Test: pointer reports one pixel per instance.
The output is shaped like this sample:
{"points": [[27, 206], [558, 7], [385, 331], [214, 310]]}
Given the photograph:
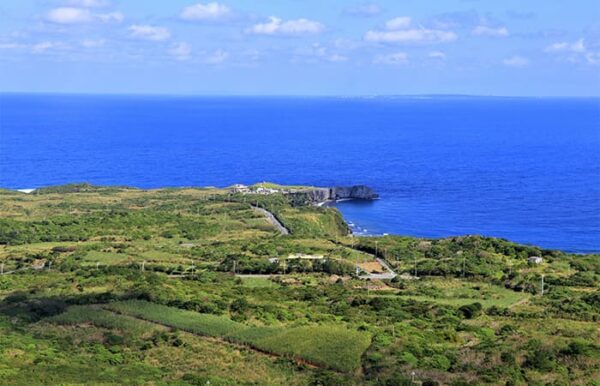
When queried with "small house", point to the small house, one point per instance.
{"points": [[239, 188], [535, 259]]}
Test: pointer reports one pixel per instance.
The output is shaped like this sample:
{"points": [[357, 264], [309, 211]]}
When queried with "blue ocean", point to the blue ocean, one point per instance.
{"points": [[523, 169]]}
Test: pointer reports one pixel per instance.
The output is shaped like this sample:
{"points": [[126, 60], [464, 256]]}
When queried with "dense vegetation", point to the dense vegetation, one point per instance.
{"points": [[120, 285]]}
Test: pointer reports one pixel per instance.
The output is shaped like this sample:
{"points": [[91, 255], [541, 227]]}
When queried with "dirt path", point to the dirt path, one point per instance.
{"points": [[520, 302]]}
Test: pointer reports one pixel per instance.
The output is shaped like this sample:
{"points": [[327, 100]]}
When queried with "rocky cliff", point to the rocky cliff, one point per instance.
{"points": [[361, 192], [318, 195]]}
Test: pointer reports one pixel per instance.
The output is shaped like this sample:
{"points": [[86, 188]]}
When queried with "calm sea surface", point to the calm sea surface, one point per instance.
{"points": [[523, 169]]}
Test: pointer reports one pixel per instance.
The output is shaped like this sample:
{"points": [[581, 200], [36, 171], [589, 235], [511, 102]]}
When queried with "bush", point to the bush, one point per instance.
{"points": [[470, 311], [409, 358], [439, 361], [508, 358], [541, 358]]}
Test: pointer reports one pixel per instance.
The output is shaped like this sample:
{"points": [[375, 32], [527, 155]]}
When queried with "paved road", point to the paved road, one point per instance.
{"points": [[260, 275], [279, 226], [389, 275]]}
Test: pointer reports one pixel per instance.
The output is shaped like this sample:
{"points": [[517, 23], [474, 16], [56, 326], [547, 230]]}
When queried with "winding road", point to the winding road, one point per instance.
{"points": [[390, 274], [273, 220]]}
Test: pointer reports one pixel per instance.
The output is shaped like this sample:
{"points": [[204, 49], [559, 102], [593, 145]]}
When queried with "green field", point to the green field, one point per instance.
{"points": [[76, 315], [332, 346], [112, 285]]}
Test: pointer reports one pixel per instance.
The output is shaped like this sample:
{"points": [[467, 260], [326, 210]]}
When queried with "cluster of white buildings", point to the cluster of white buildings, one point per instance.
{"points": [[244, 189], [296, 256]]}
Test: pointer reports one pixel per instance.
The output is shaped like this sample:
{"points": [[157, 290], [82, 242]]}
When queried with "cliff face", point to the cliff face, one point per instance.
{"points": [[361, 192], [317, 195]]}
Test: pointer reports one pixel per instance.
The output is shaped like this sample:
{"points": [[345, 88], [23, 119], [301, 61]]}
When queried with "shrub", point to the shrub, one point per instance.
{"points": [[470, 311], [409, 358], [508, 358], [541, 358], [439, 361]]}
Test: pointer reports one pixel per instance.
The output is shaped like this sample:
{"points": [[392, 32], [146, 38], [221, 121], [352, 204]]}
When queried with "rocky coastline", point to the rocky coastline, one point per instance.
{"points": [[320, 196]]}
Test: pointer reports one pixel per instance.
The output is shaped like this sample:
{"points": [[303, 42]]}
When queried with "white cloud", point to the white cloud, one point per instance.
{"points": [[111, 16], [217, 57], [149, 32], [593, 57], [10, 45], [277, 26], [89, 3], [397, 23], [393, 59], [70, 15], [337, 58], [483, 30], [576, 51], [437, 55], [90, 43], [205, 12], [317, 52], [400, 30], [366, 10], [42, 47], [516, 61], [181, 51], [577, 47], [421, 35]]}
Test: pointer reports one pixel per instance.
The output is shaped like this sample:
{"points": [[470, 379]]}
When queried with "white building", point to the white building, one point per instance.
{"points": [[239, 188], [535, 260]]}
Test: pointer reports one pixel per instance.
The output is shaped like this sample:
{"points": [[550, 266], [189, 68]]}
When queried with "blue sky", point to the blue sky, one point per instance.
{"points": [[301, 47]]}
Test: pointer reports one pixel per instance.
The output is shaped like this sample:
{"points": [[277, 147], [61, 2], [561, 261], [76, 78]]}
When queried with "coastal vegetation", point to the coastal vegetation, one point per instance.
{"points": [[194, 285]]}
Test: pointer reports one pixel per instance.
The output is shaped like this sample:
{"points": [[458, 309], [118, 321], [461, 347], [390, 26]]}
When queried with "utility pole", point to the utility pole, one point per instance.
{"points": [[97, 264], [143, 268], [234, 266], [542, 285], [416, 275]]}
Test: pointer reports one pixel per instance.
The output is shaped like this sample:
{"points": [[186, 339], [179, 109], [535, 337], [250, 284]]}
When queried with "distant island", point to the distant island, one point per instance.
{"points": [[259, 284]]}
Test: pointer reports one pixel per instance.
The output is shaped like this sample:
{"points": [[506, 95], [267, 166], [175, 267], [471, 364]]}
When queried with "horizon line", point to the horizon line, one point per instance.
{"points": [[349, 96]]}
